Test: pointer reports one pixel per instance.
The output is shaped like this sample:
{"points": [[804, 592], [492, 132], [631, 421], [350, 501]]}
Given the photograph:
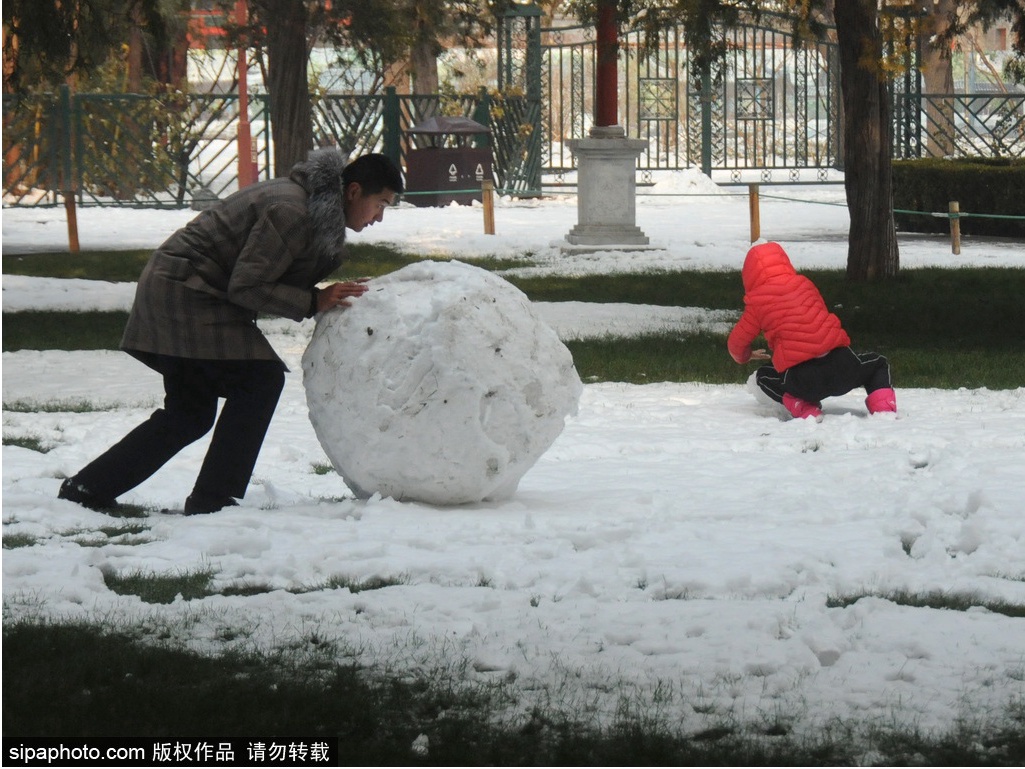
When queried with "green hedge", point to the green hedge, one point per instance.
{"points": [[985, 188]]}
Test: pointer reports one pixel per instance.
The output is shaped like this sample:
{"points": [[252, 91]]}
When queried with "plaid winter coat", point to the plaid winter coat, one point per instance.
{"points": [[262, 250], [786, 308]]}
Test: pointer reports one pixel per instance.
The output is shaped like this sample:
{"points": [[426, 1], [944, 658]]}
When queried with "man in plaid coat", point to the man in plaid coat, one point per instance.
{"points": [[262, 250]]}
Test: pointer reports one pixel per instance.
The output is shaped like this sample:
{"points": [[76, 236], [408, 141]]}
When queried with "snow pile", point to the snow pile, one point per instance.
{"points": [[687, 182], [441, 384], [22, 293]]}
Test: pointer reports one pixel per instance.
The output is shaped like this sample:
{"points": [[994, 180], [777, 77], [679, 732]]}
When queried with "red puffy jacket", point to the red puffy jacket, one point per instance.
{"points": [[786, 308]]}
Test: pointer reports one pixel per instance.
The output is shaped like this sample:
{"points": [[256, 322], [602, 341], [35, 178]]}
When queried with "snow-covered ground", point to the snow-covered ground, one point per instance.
{"points": [[674, 551]]}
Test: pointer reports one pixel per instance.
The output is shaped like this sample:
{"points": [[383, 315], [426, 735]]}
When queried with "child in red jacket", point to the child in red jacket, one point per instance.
{"points": [[811, 357]]}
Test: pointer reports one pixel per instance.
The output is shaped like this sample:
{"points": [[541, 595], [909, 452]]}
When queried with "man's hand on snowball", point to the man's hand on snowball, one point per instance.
{"points": [[338, 294]]}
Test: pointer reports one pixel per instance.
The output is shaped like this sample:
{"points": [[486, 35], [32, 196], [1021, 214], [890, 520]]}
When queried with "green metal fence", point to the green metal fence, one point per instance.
{"points": [[769, 112], [767, 107], [133, 150], [123, 149], [972, 125]]}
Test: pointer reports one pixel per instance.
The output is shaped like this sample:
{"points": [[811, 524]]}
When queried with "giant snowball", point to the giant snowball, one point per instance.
{"points": [[440, 384]]}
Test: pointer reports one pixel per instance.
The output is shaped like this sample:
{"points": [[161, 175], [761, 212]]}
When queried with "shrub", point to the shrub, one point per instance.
{"points": [[990, 190]]}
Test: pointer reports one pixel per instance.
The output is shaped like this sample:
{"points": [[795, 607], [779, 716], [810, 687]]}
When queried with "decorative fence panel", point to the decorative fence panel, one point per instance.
{"points": [[123, 149], [33, 159], [972, 125], [767, 107]]}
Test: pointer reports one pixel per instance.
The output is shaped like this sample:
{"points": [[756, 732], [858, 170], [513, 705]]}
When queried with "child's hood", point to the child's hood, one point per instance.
{"points": [[766, 263]]}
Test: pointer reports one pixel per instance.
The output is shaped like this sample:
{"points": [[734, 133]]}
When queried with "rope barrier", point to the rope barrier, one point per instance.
{"points": [[691, 194], [958, 214], [810, 202], [944, 215], [954, 215]]}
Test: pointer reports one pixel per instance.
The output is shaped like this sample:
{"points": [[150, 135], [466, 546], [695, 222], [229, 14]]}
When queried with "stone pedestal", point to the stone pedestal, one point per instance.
{"points": [[606, 192]]}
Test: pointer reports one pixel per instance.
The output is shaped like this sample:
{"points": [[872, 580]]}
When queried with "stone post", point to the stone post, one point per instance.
{"points": [[606, 192], [606, 160]]}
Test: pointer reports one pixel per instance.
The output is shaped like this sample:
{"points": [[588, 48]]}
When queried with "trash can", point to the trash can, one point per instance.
{"points": [[448, 169]]}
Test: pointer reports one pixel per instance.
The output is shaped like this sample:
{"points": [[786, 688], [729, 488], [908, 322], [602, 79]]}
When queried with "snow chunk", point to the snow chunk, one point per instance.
{"points": [[688, 181], [441, 384]]}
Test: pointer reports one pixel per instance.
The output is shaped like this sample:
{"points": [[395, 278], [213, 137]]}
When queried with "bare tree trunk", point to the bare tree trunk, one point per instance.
{"points": [[425, 67], [287, 85], [868, 138], [938, 74], [136, 43], [171, 59]]}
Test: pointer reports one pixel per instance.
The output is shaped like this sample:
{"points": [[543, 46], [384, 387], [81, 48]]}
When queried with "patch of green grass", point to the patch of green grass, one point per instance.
{"points": [[659, 357], [161, 588], [353, 584], [41, 330], [674, 357], [102, 684], [922, 321], [19, 539], [127, 534], [128, 529], [939, 309], [373, 260], [55, 407], [124, 510], [935, 599], [31, 442], [322, 469], [103, 542], [717, 289], [245, 588], [107, 685], [115, 266]]}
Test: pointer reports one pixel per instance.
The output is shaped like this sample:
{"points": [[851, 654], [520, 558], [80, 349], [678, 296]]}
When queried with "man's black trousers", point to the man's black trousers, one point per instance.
{"points": [[250, 389]]}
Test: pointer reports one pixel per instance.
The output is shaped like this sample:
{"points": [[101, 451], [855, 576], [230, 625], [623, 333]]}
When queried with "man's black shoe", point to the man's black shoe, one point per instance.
{"points": [[200, 504], [73, 491]]}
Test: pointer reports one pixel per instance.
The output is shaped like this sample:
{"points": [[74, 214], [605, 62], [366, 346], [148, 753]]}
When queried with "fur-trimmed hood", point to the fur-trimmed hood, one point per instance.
{"points": [[262, 250], [321, 176]]}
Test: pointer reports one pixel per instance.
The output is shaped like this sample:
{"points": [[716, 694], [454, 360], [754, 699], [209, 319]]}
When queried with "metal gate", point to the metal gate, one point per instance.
{"points": [[768, 108]]}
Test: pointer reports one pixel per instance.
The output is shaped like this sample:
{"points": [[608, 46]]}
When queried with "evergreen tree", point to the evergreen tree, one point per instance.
{"points": [[286, 30], [434, 26], [49, 42]]}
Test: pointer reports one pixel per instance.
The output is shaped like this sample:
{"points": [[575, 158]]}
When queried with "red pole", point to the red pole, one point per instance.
{"points": [[247, 172], [606, 111]]}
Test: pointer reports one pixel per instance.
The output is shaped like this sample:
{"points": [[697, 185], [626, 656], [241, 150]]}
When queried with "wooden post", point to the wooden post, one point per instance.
{"points": [[487, 192], [71, 211], [954, 209], [67, 179], [756, 219]]}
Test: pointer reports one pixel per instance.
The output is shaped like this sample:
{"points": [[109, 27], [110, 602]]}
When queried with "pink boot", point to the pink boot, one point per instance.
{"points": [[882, 400], [800, 408]]}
